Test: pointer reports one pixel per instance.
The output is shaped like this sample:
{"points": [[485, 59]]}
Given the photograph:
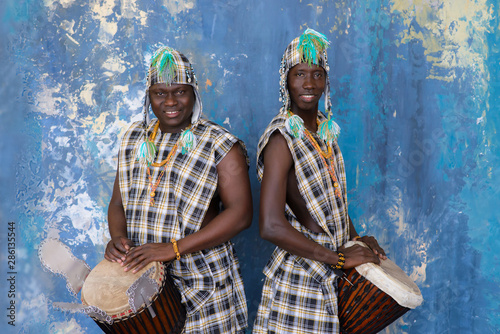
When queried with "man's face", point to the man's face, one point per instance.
{"points": [[305, 86], [173, 105]]}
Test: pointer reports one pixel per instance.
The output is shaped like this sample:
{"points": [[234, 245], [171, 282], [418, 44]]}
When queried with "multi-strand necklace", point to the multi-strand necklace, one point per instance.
{"points": [[326, 157], [164, 164], [328, 161]]}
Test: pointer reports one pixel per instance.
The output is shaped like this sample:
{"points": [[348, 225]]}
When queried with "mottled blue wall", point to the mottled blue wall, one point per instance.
{"points": [[415, 85]]}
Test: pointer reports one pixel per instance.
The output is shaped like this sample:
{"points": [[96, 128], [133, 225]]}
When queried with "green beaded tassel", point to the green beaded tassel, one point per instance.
{"points": [[311, 45], [328, 130], [295, 126], [146, 152], [165, 65], [187, 141]]}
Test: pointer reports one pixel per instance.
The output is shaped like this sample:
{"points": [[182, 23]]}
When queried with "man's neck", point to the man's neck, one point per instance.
{"points": [[309, 117]]}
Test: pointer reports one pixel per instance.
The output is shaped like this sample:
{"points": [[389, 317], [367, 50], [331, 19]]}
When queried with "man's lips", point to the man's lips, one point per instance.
{"points": [[172, 113], [307, 97]]}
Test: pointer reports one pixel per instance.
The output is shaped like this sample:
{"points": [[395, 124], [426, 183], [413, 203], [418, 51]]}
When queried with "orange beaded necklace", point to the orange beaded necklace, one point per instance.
{"points": [[328, 163], [165, 162], [326, 157]]}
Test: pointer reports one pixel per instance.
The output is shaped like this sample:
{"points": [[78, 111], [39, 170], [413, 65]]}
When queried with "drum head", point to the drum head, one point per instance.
{"points": [[391, 279], [107, 284]]}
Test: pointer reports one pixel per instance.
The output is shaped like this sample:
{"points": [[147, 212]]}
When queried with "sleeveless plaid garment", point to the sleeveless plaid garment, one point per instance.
{"points": [[299, 294], [209, 281]]}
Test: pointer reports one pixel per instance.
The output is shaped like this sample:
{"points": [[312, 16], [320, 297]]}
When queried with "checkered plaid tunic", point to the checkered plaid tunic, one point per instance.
{"points": [[299, 294], [209, 280]]}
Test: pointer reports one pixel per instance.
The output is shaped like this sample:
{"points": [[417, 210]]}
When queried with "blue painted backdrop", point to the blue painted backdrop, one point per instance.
{"points": [[415, 85]]}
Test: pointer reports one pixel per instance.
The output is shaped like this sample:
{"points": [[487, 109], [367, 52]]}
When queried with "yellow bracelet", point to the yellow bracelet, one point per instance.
{"points": [[340, 262], [176, 249], [356, 238]]}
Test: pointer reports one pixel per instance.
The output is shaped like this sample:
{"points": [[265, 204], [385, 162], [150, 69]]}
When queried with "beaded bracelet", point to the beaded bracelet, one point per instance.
{"points": [[176, 249], [340, 262]]}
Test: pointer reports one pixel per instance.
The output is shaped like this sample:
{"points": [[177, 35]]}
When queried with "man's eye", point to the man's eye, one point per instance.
{"points": [[179, 92], [300, 74]]}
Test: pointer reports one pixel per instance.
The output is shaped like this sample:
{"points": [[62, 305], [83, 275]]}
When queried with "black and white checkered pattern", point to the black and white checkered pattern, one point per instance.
{"points": [[299, 294], [209, 280]]}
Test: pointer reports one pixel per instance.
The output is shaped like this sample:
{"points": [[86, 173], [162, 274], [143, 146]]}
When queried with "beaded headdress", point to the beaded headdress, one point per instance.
{"points": [[169, 66], [308, 48]]}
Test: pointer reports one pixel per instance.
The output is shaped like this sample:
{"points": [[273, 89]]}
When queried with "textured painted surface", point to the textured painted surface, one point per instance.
{"points": [[416, 89]]}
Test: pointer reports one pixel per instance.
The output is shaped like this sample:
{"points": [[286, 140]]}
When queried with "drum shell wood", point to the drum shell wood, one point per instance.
{"points": [[363, 308], [170, 314]]}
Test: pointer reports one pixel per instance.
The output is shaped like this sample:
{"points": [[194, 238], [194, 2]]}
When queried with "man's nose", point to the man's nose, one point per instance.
{"points": [[170, 100], [308, 82]]}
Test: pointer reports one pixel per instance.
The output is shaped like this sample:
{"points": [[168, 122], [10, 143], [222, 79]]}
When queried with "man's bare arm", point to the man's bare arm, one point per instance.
{"points": [[119, 244], [273, 224], [235, 194]]}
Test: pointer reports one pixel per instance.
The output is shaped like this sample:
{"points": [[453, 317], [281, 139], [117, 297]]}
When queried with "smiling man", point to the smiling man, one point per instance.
{"points": [[181, 192], [303, 203]]}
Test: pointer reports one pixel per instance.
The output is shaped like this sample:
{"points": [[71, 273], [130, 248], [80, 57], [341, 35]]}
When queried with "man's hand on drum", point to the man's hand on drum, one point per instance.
{"points": [[117, 249], [357, 255], [139, 257], [375, 247]]}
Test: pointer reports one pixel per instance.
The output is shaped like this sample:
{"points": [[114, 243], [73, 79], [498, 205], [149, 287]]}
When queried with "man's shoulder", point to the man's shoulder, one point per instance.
{"points": [[134, 131], [215, 138], [278, 121], [276, 125], [136, 126]]}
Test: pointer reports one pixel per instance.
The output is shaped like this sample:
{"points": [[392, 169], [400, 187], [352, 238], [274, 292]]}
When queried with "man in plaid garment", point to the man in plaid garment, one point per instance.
{"points": [[303, 203], [175, 174]]}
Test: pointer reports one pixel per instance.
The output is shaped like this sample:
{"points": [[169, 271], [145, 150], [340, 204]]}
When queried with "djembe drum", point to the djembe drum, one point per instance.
{"points": [[144, 302], [379, 295]]}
